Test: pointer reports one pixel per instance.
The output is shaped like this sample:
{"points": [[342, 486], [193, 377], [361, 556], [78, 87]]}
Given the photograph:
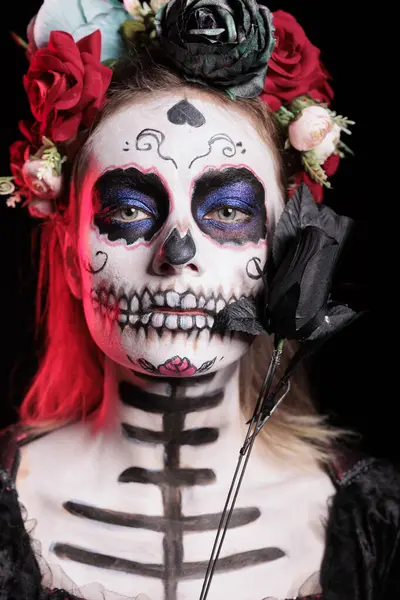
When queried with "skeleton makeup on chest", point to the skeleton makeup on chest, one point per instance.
{"points": [[174, 214]]}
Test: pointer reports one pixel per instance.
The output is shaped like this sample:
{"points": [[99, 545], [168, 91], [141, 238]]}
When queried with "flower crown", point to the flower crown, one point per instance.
{"points": [[243, 49]]}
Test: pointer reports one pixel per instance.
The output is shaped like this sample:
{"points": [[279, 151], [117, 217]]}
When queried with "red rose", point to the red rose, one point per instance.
{"points": [[19, 154], [30, 131], [31, 49], [330, 167], [294, 68], [331, 164], [21, 150], [66, 84]]}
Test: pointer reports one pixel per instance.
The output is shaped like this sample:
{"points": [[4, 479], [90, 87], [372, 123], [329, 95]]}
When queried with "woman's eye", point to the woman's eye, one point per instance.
{"points": [[228, 215], [129, 214]]}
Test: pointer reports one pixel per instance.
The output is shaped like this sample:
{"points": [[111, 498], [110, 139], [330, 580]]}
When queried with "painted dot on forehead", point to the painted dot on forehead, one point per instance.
{"points": [[185, 113]]}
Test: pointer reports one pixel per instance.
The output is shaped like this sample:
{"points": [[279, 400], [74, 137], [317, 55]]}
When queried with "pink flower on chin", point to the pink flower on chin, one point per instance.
{"points": [[310, 128], [177, 366]]}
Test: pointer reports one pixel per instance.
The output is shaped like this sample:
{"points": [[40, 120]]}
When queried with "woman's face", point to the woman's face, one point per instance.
{"points": [[174, 213]]}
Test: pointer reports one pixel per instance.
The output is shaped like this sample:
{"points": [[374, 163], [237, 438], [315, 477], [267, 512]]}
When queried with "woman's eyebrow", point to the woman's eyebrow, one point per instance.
{"points": [[213, 179], [149, 184]]}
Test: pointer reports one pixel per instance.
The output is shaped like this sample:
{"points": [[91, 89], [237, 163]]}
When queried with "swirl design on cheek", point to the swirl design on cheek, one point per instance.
{"points": [[145, 142], [253, 268], [94, 271], [229, 149]]}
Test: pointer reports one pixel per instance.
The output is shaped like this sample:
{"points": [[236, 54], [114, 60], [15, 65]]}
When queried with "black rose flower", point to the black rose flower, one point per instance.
{"points": [[296, 303], [221, 43], [308, 241]]}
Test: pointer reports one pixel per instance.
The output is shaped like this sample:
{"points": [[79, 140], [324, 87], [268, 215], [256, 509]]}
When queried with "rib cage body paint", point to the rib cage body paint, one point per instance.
{"points": [[135, 508], [173, 524]]}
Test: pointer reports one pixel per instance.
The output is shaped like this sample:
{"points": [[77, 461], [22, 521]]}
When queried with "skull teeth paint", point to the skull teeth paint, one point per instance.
{"points": [[140, 310], [172, 216]]}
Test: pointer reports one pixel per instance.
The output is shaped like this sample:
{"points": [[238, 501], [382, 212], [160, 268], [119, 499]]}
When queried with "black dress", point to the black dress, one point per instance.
{"points": [[362, 552]]}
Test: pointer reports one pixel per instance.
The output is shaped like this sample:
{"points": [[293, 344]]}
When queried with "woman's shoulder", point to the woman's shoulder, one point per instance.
{"points": [[18, 441], [367, 485], [369, 479], [363, 532], [12, 438]]}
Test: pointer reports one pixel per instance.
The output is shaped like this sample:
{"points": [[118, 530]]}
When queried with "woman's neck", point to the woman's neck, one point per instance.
{"points": [[181, 431], [176, 424]]}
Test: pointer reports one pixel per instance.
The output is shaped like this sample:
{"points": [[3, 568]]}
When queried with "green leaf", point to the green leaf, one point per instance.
{"points": [[21, 42], [343, 146], [284, 116], [110, 62], [302, 102], [314, 169]]}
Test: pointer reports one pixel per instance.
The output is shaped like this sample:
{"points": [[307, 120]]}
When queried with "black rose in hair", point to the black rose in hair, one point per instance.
{"points": [[221, 43]]}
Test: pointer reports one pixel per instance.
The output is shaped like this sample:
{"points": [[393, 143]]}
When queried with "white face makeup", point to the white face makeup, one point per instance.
{"points": [[181, 191]]}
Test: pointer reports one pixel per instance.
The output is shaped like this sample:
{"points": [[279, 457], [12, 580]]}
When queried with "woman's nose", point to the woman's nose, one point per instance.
{"points": [[177, 253]]}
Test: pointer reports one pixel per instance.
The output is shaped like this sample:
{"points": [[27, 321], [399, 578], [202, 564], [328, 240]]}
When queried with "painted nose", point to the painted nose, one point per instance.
{"points": [[176, 253]]}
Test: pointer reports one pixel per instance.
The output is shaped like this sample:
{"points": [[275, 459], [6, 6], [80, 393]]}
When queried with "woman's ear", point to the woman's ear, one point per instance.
{"points": [[71, 263]]}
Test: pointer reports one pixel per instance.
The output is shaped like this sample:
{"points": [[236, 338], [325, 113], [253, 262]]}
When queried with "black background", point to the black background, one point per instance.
{"points": [[343, 373]]}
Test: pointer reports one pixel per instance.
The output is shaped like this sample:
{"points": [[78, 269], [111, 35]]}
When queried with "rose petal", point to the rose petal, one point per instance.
{"points": [[184, 365], [191, 370], [66, 84], [166, 369]]}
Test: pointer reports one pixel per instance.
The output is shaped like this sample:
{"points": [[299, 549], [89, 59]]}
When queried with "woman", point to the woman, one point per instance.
{"points": [[138, 409]]}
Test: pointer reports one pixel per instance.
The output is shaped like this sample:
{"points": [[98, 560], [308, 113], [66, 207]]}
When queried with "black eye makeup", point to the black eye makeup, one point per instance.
{"points": [[229, 206], [130, 205]]}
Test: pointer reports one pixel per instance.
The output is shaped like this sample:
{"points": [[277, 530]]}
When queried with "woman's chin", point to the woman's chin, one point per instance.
{"points": [[160, 351]]}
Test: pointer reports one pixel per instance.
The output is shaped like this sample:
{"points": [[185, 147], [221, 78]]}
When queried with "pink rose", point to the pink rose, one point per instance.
{"points": [[329, 144], [43, 182], [310, 128], [177, 366], [41, 209]]}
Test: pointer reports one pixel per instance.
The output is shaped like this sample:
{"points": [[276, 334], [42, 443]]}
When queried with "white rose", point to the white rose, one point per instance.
{"points": [[310, 128]]}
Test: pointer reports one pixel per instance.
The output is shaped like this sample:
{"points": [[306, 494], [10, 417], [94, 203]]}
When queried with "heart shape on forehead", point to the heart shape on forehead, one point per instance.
{"points": [[184, 112]]}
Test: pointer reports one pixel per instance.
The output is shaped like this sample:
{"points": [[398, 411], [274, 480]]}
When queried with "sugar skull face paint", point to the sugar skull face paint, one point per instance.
{"points": [[173, 216]]}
